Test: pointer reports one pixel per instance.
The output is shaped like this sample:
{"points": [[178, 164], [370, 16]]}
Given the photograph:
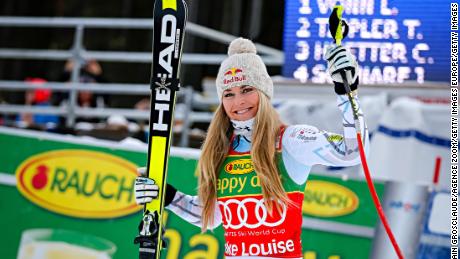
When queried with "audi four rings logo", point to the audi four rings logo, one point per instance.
{"points": [[241, 208]]}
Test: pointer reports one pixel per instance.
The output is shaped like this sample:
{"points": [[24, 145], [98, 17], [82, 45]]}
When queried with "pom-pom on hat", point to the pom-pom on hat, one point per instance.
{"points": [[243, 67]]}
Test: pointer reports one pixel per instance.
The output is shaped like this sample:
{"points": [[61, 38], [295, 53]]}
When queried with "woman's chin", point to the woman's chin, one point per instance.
{"points": [[244, 117]]}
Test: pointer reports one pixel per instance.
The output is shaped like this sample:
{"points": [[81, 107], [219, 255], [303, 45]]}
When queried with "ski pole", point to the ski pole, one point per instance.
{"points": [[335, 26]]}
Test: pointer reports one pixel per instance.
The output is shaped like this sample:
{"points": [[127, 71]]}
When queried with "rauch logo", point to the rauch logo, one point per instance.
{"points": [[327, 199], [240, 166], [78, 183]]}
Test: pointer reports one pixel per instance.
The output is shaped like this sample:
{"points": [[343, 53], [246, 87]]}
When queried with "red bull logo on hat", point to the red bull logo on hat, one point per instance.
{"points": [[234, 75]]}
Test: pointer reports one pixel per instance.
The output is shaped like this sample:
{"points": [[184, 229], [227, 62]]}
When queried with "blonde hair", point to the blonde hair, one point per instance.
{"points": [[267, 126]]}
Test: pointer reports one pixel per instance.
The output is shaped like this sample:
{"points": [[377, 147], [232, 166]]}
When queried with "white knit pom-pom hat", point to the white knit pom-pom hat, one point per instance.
{"points": [[243, 67]]}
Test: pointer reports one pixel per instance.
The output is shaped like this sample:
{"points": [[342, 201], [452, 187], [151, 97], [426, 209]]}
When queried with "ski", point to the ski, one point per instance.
{"points": [[169, 18]]}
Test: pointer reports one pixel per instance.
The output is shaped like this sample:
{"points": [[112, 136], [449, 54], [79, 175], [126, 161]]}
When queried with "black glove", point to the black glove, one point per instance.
{"points": [[170, 193], [339, 88]]}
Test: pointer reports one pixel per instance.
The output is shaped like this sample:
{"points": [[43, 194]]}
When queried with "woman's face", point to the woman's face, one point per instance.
{"points": [[241, 102]]}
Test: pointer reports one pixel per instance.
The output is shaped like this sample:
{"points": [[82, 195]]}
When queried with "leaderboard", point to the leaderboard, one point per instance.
{"points": [[394, 41]]}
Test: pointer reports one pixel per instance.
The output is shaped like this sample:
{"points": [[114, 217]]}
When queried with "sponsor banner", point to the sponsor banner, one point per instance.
{"points": [[327, 199], [69, 186], [79, 183], [341, 201], [83, 186]]}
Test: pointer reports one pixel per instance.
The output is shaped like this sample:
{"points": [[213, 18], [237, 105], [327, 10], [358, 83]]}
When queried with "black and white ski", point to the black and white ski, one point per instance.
{"points": [[169, 18]]}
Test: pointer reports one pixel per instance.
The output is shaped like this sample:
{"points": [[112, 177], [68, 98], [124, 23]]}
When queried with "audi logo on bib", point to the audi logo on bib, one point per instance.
{"points": [[250, 213], [250, 230]]}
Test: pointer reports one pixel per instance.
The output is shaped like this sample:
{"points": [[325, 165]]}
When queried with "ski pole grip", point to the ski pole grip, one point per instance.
{"points": [[338, 27]]}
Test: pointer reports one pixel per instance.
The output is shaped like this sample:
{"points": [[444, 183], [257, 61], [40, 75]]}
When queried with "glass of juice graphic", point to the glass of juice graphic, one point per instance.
{"points": [[63, 244]]}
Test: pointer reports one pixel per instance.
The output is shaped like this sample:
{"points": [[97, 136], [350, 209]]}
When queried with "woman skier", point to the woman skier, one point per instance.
{"points": [[253, 170]]}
